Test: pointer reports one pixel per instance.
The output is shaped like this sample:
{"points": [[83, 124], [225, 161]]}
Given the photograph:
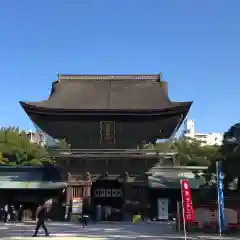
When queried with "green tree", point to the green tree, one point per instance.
{"points": [[190, 152], [229, 154], [3, 161], [62, 144], [16, 147], [161, 147]]}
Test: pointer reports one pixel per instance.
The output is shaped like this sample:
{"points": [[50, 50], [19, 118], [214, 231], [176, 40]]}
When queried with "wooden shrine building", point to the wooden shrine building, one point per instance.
{"points": [[108, 120]]}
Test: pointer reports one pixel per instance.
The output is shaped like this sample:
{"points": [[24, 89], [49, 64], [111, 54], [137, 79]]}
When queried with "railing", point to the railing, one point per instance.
{"points": [[108, 152]]}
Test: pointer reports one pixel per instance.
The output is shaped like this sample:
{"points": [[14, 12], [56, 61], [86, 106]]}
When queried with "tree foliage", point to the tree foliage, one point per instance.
{"points": [[229, 154], [16, 149], [190, 152], [60, 144]]}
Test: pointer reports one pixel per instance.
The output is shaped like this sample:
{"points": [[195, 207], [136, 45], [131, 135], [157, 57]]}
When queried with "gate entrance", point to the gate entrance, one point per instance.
{"points": [[107, 199]]}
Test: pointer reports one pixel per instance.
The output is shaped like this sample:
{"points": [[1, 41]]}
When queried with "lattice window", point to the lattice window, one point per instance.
{"points": [[77, 192], [136, 191], [108, 193]]}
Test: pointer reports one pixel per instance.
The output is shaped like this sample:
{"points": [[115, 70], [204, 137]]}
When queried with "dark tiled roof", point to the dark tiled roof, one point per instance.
{"points": [[172, 180], [30, 178], [108, 92]]}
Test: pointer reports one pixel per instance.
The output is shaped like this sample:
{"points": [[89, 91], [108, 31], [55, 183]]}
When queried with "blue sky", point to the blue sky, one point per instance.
{"points": [[195, 44]]}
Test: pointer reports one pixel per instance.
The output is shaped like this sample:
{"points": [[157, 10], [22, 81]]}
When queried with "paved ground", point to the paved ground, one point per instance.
{"points": [[101, 231]]}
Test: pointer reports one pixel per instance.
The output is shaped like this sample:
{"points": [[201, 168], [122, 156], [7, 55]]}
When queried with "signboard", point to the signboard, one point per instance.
{"points": [[107, 132], [162, 204], [188, 212], [77, 204], [108, 192]]}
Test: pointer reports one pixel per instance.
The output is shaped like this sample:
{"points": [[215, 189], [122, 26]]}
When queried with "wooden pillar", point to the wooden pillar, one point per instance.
{"points": [[146, 192], [68, 189], [127, 192], [87, 187], [87, 190], [146, 188], [68, 194]]}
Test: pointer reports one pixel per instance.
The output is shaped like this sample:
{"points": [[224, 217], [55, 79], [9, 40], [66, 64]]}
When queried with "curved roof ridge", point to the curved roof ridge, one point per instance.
{"points": [[120, 77]]}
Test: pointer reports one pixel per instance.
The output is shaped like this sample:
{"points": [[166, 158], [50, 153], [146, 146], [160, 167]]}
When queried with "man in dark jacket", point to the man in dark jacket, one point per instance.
{"points": [[6, 214], [20, 213], [41, 216]]}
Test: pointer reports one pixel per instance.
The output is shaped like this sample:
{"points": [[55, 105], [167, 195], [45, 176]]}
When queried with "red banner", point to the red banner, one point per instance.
{"points": [[187, 201]]}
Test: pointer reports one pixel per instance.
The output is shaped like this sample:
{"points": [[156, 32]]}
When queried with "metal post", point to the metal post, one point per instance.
{"points": [[178, 220], [219, 210]]}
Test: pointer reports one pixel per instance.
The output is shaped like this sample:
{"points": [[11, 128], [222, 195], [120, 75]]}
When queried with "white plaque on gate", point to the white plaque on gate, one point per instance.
{"points": [[162, 204], [102, 192], [108, 192], [96, 192], [114, 192]]}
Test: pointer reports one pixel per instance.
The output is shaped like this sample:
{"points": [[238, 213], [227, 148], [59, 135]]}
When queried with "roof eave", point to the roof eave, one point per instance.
{"points": [[182, 108]]}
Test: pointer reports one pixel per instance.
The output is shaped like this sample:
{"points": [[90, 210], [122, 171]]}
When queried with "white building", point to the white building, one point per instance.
{"points": [[205, 138], [41, 137], [36, 137]]}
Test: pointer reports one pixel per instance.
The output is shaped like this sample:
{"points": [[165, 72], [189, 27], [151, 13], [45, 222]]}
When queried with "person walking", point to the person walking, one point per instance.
{"points": [[20, 213], [98, 212], [6, 214], [13, 213], [84, 219], [41, 216]]}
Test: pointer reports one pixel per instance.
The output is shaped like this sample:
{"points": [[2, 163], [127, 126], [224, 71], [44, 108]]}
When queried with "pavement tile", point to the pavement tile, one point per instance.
{"points": [[103, 231]]}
